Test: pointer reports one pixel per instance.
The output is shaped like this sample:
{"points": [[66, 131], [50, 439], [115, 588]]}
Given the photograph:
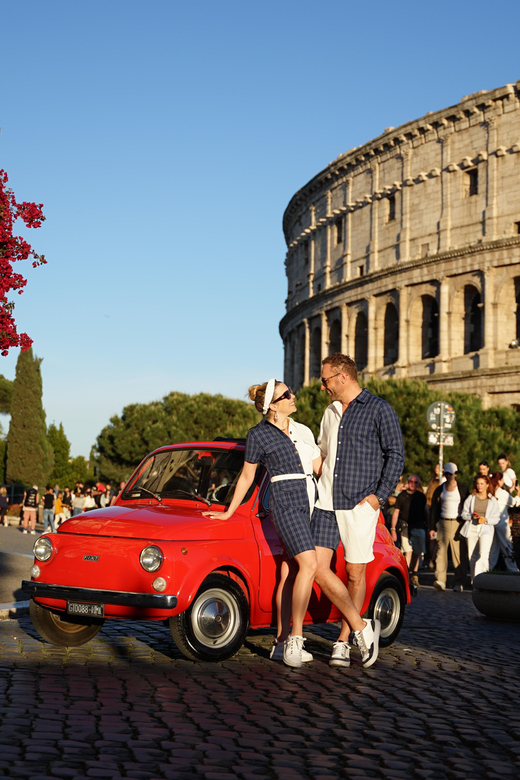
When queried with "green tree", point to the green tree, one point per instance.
{"points": [[80, 470], [178, 417], [478, 434], [61, 449], [29, 454], [6, 394]]}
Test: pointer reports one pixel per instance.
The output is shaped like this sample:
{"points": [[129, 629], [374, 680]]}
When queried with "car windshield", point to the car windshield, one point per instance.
{"points": [[210, 475]]}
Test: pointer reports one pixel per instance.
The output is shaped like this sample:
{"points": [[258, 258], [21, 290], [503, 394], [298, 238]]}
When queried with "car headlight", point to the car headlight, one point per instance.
{"points": [[151, 558], [42, 548]]}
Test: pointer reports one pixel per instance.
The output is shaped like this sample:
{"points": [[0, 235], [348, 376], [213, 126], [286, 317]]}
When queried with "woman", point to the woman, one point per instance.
{"points": [[4, 504], [90, 502], [481, 513], [507, 471], [289, 453], [78, 503], [502, 539]]}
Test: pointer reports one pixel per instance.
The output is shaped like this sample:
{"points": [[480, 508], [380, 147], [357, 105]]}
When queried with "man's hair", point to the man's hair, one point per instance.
{"points": [[342, 363]]}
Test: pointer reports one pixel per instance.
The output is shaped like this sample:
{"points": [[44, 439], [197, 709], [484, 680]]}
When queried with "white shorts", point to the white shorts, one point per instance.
{"points": [[357, 529]]}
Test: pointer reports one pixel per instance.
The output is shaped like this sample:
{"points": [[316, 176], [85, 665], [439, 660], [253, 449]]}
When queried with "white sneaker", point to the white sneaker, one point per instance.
{"points": [[458, 588], [24, 531], [33, 532], [292, 651], [340, 654], [439, 585], [276, 653], [367, 641]]}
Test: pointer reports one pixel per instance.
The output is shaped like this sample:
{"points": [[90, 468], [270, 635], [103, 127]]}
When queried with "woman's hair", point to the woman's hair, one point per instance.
{"points": [[3, 491], [503, 456], [257, 395], [490, 486]]}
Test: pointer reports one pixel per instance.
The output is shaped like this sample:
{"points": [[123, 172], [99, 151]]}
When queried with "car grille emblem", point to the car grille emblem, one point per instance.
{"points": [[91, 557]]}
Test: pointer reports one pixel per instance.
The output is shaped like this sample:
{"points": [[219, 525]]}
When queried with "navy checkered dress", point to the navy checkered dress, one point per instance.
{"points": [[288, 499]]}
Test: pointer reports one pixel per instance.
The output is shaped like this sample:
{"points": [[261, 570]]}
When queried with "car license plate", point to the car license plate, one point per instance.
{"points": [[89, 610]]}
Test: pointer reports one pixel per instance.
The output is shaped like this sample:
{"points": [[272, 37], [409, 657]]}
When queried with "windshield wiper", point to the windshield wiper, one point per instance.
{"points": [[151, 492], [192, 495]]}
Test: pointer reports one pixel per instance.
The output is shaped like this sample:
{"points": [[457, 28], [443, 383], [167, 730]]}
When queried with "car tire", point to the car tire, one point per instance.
{"points": [[61, 629], [215, 625], [387, 605]]}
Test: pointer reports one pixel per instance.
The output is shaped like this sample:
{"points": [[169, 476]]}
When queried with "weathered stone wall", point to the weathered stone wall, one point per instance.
{"points": [[405, 253]]}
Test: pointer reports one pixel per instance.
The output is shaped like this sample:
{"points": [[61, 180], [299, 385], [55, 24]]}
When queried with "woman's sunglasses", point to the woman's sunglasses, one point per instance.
{"points": [[288, 394]]}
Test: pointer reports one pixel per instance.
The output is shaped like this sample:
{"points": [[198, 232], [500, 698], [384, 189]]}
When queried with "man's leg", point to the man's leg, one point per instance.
{"points": [[441, 560], [335, 590], [357, 583]]}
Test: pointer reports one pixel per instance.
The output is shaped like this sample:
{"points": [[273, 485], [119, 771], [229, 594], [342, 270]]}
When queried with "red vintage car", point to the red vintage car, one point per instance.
{"points": [[154, 556]]}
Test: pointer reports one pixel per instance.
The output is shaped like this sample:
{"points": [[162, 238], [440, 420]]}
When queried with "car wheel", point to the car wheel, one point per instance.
{"points": [[215, 625], [60, 629], [387, 605]]}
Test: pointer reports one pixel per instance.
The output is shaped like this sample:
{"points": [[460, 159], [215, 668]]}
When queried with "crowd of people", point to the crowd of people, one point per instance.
{"points": [[57, 504], [472, 524]]}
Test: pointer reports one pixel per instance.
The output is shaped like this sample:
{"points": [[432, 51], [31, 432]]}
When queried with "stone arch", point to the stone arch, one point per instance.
{"points": [[429, 327], [335, 336], [315, 356], [473, 319], [391, 335], [507, 310], [361, 340], [298, 371]]}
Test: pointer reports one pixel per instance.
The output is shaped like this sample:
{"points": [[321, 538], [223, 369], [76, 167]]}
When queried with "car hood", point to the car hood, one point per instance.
{"points": [[163, 522]]}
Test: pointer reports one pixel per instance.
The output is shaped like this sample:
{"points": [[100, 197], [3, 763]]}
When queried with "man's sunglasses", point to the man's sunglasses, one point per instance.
{"points": [[288, 394], [324, 381]]}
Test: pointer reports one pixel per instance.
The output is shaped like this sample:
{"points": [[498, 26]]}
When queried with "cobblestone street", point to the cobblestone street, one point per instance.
{"points": [[442, 703]]}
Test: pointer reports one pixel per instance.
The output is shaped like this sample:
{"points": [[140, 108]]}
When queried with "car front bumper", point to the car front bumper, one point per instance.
{"points": [[97, 596]]}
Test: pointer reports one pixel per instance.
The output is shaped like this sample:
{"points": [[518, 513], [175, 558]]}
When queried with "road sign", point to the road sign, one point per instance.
{"points": [[440, 416], [434, 437]]}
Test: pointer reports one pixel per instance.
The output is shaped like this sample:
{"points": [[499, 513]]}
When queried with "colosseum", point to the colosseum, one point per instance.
{"points": [[405, 254]]}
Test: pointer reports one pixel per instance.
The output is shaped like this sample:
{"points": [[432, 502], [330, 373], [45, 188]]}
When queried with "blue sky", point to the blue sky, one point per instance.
{"points": [[165, 140]]}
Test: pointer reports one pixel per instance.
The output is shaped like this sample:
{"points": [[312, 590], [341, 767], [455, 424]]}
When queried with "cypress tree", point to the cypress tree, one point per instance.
{"points": [[29, 454], [61, 448]]}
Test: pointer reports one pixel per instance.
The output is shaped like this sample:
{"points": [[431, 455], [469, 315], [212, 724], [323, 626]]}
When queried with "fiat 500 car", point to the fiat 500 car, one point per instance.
{"points": [[154, 556]]}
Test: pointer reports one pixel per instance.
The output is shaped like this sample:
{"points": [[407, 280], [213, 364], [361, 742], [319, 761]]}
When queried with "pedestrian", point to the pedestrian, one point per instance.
{"points": [[48, 501], [4, 505], [90, 502], [484, 468], [59, 510], [363, 457], [289, 453], [435, 480], [67, 503], [507, 471], [480, 513], [445, 520], [502, 539], [106, 497], [78, 502], [30, 503], [410, 512]]}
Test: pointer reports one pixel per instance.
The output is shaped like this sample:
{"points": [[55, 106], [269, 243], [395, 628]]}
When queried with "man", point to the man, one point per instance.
{"points": [[362, 446], [410, 510], [445, 520]]}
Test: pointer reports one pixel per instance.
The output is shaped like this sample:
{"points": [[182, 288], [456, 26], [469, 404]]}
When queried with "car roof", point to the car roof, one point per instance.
{"points": [[218, 443]]}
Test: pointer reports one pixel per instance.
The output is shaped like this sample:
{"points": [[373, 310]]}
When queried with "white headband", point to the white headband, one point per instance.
{"points": [[269, 392]]}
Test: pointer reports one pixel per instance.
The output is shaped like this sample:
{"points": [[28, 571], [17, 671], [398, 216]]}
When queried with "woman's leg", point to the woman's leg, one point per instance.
{"points": [[302, 588], [284, 599], [473, 551], [482, 564]]}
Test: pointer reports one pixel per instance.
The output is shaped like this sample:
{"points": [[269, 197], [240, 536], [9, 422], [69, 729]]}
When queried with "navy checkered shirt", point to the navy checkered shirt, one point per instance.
{"points": [[370, 454]]}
